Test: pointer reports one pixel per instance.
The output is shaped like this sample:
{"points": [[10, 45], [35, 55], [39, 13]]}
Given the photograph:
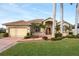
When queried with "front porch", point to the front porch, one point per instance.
{"points": [[47, 31]]}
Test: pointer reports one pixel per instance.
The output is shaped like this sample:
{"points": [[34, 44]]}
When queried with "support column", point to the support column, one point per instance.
{"points": [[54, 19], [61, 17]]}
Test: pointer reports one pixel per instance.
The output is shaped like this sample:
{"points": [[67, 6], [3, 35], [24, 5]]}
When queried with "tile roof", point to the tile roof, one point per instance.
{"points": [[22, 22]]}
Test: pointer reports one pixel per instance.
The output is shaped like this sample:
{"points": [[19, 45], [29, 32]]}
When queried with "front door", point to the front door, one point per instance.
{"points": [[48, 31]]}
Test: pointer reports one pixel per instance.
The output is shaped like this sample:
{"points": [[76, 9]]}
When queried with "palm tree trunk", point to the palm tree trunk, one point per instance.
{"points": [[76, 18], [61, 12], [54, 19]]}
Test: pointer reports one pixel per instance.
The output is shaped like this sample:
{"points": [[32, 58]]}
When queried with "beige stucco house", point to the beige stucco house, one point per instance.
{"points": [[21, 28]]}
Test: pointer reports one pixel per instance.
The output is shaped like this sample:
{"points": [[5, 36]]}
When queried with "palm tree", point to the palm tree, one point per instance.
{"points": [[57, 28], [54, 18], [34, 25], [61, 12], [76, 18], [42, 26], [67, 28]]}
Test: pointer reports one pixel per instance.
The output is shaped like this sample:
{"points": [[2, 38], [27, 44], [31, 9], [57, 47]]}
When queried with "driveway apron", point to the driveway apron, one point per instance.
{"points": [[6, 43]]}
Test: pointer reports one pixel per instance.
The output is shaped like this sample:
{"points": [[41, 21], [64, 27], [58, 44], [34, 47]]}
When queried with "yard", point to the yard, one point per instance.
{"points": [[65, 47], [1, 35]]}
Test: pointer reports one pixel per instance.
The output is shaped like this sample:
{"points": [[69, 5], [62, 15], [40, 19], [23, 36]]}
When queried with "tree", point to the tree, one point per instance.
{"points": [[54, 19], [42, 26], [37, 25], [61, 12], [2, 30], [57, 27], [67, 28], [76, 18]]}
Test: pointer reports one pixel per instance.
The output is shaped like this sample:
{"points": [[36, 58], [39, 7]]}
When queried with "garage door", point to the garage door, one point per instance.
{"points": [[18, 32], [21, 32], [12, 32]]}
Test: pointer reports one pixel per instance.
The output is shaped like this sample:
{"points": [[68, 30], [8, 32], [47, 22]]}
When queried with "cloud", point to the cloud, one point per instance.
{"points": [[13, 8], [41, 11], [14, 11]]}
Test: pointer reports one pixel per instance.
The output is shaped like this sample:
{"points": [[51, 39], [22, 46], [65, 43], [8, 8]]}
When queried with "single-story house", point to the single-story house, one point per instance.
{"points": [[21, 28]]}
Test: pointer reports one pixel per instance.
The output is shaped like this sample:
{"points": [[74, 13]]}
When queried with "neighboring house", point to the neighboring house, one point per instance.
{"points": [[73, 29], [21, 28], [67, 27]]}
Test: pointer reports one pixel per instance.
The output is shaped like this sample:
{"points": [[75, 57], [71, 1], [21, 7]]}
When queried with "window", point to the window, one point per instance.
{"points": [[37, 29]]}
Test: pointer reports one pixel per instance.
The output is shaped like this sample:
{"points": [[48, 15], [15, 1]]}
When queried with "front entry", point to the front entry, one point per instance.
{"points": [[48, 31]]}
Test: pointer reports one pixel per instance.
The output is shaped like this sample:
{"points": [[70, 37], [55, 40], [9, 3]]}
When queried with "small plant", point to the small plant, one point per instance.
{"points": [[58, 35], [45, 38], [53, 39], [71, 36], [58, 38], [28, 36], [77, 35], [70, 33], [6, 35]]}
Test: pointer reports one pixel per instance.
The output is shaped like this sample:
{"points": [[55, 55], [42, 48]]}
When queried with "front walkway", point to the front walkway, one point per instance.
{"points": [[6, 43]]}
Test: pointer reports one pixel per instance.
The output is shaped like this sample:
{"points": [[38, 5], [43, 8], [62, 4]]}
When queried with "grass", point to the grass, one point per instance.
{"points": [[1, 35], [66, 47]]}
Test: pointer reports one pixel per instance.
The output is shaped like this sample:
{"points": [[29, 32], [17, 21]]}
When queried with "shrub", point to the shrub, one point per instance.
{"points": [[2, 30], [53, 39], [28, 36], [77, 36], [70, 33], [6, 35], [58, 38], [70, 36], [58, 35], [45, 38]]}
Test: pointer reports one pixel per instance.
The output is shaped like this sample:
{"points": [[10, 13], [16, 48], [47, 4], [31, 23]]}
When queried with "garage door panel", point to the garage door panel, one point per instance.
{"points": [[21, 32], [18, 32], [12, 32]]}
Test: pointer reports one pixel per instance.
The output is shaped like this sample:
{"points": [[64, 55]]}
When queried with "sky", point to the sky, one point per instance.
{"points": [[28, 11]]}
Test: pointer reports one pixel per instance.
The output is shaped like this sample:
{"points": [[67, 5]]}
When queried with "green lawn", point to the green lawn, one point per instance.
{"points": [[66, 47], [1, 35]]}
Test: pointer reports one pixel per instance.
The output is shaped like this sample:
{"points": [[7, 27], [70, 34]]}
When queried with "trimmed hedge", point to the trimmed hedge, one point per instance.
{"points": [[70, 36], [58, 35], [6, 35], [77, 35], [58, 38], [45, 38], [28, 36], [70, 33]]}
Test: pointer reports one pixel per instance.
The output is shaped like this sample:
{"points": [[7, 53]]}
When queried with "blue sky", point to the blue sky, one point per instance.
{"points": [[28, 11]]}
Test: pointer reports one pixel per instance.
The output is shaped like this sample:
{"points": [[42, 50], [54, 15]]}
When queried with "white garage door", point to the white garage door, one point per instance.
{"points": [[12, 32], [18, 32]]}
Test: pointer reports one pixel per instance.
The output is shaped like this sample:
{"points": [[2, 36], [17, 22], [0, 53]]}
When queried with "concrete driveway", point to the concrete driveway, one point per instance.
{"points": [[6, 43]]}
